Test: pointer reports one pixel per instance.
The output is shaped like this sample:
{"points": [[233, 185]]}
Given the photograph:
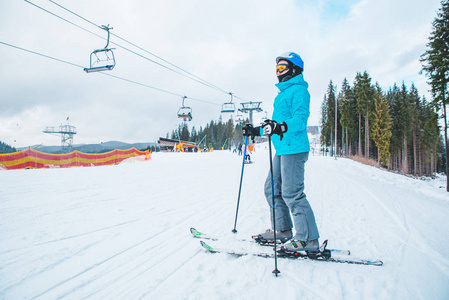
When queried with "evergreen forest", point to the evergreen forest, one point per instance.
{"points": [[216, 134], [397, 128], [5, 148]]}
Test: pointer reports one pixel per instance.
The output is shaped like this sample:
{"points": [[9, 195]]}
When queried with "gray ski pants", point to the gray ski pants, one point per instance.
{"points": [[289, 196]]}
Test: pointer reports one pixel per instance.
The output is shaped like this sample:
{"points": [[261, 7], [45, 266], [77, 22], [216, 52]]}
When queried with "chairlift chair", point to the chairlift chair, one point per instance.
{"points": [[185, 112], [102, 59], [228, 107], [239, 119]]}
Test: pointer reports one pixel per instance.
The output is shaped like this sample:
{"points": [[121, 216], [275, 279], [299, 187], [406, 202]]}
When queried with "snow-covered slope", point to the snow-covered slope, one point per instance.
{"points": [[122, 232]]}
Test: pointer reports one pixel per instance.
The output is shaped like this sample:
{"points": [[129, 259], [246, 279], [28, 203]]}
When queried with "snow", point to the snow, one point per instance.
{"points": [[122, 232]]}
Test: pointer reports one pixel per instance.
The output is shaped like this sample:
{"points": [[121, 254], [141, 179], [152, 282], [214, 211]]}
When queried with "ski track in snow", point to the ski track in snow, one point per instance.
{"points": [[122, 232]]}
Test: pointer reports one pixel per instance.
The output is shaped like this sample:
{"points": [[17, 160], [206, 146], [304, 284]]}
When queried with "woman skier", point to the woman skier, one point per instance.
{"points": [[288, 129]]}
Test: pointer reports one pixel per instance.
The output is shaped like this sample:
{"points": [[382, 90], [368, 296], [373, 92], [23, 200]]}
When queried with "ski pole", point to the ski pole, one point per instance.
{"points": [[240, 187], [275, 271]]}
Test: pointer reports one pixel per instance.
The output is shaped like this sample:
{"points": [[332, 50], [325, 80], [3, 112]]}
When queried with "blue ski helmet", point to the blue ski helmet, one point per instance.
{"points": [[292, 57]]}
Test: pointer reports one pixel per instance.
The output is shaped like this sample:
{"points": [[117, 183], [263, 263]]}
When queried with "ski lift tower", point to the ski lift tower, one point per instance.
{"points": [[250, 107], [65, 131]]}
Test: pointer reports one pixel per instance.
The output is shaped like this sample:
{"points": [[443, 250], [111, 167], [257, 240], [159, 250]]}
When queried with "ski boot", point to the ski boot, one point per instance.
{"points": [[310, 249], [267, 237], [295, 246]]}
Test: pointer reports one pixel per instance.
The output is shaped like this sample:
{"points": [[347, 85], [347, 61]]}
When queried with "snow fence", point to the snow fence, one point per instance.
{"points": [[33, 159]]}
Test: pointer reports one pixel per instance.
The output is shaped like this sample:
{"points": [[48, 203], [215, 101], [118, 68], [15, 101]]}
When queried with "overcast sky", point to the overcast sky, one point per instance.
{"points": [[231, 44]]}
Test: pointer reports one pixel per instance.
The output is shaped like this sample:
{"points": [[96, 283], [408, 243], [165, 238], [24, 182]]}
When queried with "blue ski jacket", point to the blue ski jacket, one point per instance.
{"points": [[292, 106]]}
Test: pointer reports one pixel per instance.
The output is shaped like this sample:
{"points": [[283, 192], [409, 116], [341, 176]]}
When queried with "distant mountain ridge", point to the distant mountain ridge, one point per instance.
{"points": [[93, 148]]}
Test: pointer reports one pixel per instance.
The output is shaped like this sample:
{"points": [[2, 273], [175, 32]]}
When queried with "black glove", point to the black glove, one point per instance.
{"points": [[272, 127], [247, 130], [250, 131]]}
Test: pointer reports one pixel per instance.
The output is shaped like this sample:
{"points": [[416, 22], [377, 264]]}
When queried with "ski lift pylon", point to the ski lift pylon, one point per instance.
{"points": [[102, 59], [185, 112], [228, 107]]}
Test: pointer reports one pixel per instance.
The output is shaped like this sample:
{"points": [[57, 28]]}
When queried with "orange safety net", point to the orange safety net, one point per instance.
{"points": [[31, 158]]}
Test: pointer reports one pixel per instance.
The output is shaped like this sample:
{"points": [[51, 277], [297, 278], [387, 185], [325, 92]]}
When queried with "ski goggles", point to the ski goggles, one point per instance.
{"points": [[281, 68]]}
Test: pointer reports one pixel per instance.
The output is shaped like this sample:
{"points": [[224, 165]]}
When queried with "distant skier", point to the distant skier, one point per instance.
{"points": [[240, 149], [248, 155], [290, 114]]}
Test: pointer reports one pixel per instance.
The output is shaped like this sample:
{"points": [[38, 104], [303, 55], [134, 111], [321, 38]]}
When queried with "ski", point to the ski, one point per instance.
{"points": [[205, 236], [202, 235], [324, 255]]}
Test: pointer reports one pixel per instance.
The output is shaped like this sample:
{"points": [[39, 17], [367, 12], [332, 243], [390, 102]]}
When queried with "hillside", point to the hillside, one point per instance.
{"points": [[122, 232]]}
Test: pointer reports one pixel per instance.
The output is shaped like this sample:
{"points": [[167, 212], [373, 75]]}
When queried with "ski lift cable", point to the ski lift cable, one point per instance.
{"points": [[53, 14], [74, 13], [202, 81], [155, 88], [141, 84], [128, 49], [40, 54], [241, 99], [193, 76], [107, 74], [123, 47], [164, 60]]}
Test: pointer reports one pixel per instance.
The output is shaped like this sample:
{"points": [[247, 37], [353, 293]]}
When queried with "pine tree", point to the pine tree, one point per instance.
{"points": [[436, 66], [415, 112], [330, 118], [430, 137], [405, 118], [395, 144], [230, 133], [381, 127], [324, 137], [348, 112], [193, 135], [184, 132], [364, 95]]}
